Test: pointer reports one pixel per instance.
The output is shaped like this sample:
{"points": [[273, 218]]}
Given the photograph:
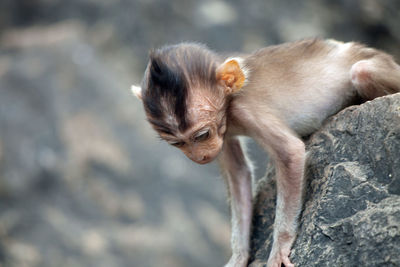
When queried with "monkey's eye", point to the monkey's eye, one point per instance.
{"points": [[202, 135], [177, 143]]}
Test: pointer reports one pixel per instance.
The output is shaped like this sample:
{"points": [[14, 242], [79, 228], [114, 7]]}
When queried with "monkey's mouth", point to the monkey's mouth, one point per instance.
{"points": [[205, 159]]}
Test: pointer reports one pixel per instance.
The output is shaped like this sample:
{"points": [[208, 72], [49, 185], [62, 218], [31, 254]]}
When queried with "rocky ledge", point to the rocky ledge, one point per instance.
{"points": [[351, 211]]}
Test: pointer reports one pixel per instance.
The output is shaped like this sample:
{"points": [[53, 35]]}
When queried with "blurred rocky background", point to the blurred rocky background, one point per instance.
{"points": [[83, 179]]}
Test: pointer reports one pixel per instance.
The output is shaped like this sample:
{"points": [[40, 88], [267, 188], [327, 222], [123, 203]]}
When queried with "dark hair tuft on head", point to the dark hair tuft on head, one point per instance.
{"points": [[166, 85]]}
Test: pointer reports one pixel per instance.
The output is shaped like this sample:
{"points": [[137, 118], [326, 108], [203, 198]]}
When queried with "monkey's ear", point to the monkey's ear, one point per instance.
{"points": [[137, 91], [231, 75]]}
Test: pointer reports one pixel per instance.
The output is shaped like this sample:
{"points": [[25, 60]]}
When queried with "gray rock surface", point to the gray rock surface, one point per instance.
{"points": [[351, 214]]}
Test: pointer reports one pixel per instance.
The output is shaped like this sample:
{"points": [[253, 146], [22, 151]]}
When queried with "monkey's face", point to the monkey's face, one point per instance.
{"points": [[185, 91], [203, 140]]}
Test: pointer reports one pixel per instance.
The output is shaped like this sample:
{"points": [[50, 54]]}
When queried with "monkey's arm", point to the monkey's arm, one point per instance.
{"points": [[238, 177], [288, 153]]}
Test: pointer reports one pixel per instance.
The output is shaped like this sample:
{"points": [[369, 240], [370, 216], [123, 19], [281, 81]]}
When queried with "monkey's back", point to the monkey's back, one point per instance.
{"points": [[303, 82]]}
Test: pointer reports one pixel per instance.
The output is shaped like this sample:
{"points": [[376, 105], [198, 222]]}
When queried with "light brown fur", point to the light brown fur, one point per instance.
{"points": [[276, 95]]}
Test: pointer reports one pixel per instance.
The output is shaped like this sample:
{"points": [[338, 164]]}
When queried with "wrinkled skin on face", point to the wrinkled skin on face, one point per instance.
{"points": [[203, 141]]}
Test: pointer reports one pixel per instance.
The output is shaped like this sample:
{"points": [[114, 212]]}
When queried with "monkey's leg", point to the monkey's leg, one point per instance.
{"points": [[288, 152], [239, 180], [290, 167], [377, 76]]}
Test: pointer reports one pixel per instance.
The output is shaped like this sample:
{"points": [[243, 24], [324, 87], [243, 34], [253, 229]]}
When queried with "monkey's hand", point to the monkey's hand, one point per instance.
{"points": [[238, 260], [280, 254]]}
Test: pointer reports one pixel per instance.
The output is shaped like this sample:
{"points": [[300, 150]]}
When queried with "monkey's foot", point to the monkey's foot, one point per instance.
{"points": [[238, 260], [280, 256]]}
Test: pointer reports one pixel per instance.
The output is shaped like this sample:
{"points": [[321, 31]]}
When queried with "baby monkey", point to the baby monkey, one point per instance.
{"points": [[200, 102]]}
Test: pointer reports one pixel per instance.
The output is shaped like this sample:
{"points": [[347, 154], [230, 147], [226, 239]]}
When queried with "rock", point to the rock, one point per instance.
{"points": [[351, 212]]}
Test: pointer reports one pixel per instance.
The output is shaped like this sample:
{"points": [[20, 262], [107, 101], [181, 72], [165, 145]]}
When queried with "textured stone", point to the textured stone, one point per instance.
{"points": [[351, 212]]}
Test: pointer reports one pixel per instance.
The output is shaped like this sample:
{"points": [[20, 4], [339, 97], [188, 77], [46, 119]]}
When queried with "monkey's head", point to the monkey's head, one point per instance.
{"points": [[185, 93]]}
